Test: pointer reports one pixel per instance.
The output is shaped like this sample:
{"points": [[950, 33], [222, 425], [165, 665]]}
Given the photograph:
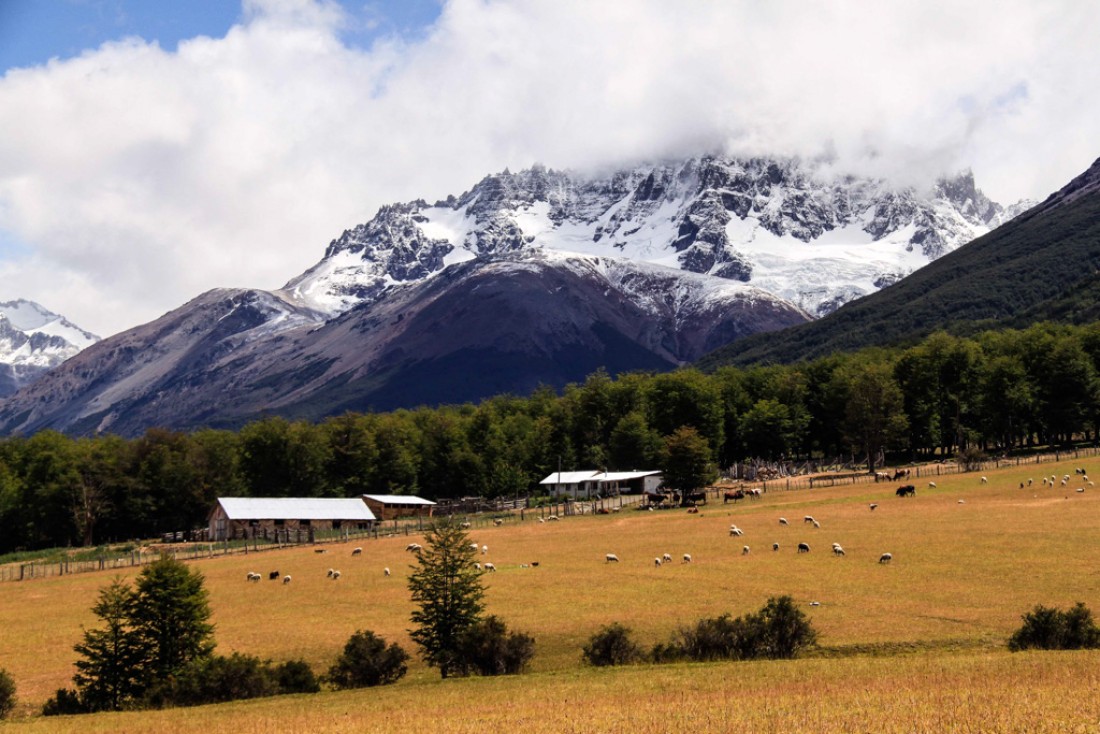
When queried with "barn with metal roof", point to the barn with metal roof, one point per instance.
{"points": [[394, 506], [266, 517]]}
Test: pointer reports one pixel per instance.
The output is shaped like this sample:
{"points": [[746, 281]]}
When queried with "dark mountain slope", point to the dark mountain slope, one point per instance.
{"points": [[1042, 265]]}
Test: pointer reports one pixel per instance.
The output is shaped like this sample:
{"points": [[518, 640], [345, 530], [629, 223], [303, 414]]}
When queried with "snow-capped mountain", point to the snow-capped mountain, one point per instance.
{"points": [[779, 224], [34, 340]]}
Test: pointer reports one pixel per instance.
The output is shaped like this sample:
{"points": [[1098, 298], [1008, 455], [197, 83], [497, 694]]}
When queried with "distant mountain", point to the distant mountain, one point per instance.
{"points": [[1044, 264], [34, 340], [483, 327], [535, 277]]}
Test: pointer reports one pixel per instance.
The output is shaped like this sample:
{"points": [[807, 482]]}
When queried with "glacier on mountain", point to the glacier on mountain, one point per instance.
{"points": [[34, 340]]}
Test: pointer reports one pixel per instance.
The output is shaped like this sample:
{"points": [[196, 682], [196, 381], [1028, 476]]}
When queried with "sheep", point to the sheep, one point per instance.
{"points": [[932, 485], [498, 522], [465, 525], [657, 562], [386, 571], [815, 604], [667, 558], [885, 558], [541, 520], [477, 566], [551, 518], [783, 521], [808, 518], [253, 576], [286, 579], [484, 549], [1029, 481], [985, 480], [611, 558], [803, 548], [873, 506], [320, 550], [1080, 489], [357, 552], [962, 502], [474, 547], [734, 530], [687, 558], [744, 550], [273, 576], [330, 572], [490, 567], [1065, 482], [335, 575], [414, 547], [817, 525], [775, 546], [837, 550]]}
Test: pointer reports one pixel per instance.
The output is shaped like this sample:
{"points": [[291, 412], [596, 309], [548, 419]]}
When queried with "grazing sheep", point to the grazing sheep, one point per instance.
{"points": [[484, 549], [808, 518], [253, 576], [775, 546], [817, 525], [551, 518], [1080, 489], [320, 550], [477, 565], [815, 604], [932, 485], [687, 558], [873, 506], [656, 561], [335, 575], [357, 552], [837, 550], [667, 558], [498, 522], [286, 579], [783, 521], [1029, 481], [541, 520], [273, 576], [1065, 482], [962, 502], [611, 558], [490, 567], [734, 530], [474, 547], [330, 572], [414, 547], [885, 558], [803, 548], [985, 480], [386, 571], [744, 550]]}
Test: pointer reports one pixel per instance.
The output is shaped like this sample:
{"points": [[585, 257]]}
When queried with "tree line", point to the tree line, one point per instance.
{"points": [[997, 391]]}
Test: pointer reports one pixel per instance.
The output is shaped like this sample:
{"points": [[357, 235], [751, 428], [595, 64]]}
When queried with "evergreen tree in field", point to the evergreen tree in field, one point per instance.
{"points": [[171, 617], [110, 673], [448, 591], [688, 466]]}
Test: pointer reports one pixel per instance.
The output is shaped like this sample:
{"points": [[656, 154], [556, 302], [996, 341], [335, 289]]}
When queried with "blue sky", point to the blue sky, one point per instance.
{"points": [[134, 176], [34, 31]]}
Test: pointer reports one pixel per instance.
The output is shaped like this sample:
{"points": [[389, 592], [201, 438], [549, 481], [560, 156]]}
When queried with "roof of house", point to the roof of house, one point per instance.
{"points": [[295, 508], [398, 499], [576, 477]]}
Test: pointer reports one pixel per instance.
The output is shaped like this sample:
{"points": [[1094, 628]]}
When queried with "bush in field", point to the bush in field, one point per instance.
{"points": [[66, 701], [368, 661], [778, 630], [612, 645], [488, 648], [1049, 628], [295, 676], [215, 679], [7, 693]]}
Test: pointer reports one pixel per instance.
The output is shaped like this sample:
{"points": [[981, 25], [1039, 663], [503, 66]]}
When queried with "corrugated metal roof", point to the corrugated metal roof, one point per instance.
{"points": [[295, 508], [398, 499], [622, 476], [570, 477]]}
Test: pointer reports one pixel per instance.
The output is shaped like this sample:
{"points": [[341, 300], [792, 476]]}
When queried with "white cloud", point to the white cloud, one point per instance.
{"points": [[140, 177]]}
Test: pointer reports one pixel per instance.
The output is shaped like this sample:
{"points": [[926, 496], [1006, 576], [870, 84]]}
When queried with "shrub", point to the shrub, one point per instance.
{"points": [[65, 701], [781, 630], [488, 648], [216, 679], [367, 661], [612, 645], [295, 676], [778, 630], [7, 693], [717, 638], [1049, 628]]}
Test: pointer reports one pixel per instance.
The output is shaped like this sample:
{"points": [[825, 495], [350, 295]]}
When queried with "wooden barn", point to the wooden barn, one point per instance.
{"points": [[396, 506], [590, 484], [269, 517]]}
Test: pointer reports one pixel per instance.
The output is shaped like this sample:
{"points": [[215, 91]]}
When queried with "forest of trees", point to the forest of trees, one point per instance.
{"points": [[998, 391]]}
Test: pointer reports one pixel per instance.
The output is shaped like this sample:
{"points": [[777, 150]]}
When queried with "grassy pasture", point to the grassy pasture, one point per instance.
{"points": [[961, 576]]}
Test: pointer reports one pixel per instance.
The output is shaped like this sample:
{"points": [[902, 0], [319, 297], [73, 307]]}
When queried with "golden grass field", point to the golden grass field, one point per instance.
{"points": [[916, 645]]}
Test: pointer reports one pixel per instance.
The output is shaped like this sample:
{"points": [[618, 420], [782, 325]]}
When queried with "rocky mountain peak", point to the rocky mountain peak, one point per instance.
{"points": [[34, 340]]}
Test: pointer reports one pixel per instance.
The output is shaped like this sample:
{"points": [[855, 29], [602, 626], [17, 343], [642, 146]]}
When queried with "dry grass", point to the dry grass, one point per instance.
{"points": [[961, 576]]}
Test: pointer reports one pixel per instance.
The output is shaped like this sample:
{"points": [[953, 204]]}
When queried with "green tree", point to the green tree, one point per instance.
{"points": [[111, 671], [171, 616], [873, 416], [368, 661], [689, 465], [447, 590], [7, 693]]}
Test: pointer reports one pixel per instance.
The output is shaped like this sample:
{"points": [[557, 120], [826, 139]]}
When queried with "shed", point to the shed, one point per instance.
{"points": [[592, 483], [394, 506], [248, 517]]}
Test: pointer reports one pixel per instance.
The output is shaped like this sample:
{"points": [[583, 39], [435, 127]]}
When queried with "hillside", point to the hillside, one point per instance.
{"points": [[1044, 264]]}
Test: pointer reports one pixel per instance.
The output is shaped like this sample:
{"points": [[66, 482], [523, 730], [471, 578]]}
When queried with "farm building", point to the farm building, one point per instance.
{"points": [[269, 517], [588, 484], [394, 506]]}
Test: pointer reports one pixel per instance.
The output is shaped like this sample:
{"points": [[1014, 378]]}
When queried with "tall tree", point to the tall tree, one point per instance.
{"points": [[111, 671], [172, 616], [689, 465], [448, 592]]}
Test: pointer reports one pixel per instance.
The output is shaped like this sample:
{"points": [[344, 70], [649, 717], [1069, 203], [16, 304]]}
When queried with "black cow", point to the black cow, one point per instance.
{"points": [[906, 490]]}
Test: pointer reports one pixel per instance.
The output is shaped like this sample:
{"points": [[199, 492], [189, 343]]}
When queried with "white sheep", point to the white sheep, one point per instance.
{"points": [[551, 518], [611, 558], [744, 550], [783, 521], [357, 552], [414, 547], [885, 558], [253, 576], [498, 522], [932, 485], [484, 549], [873, 506], [657, 562], [386, 571], [335, 575], [808, 518], [474, 547], [734, 530], [667, 558], [477, 565], [330, 572], [803, 548], [286, 579], [490, 567], [465, 526], [985, 480], [817, 525], [687, 558], [837, 550]]}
